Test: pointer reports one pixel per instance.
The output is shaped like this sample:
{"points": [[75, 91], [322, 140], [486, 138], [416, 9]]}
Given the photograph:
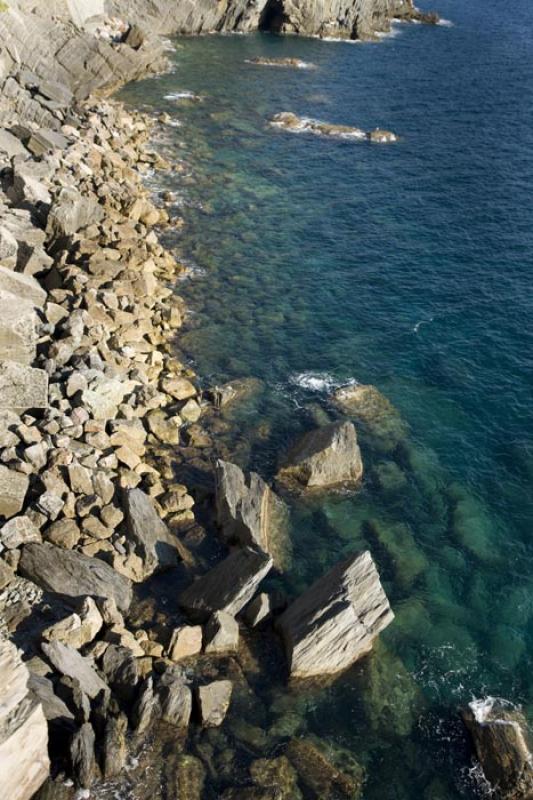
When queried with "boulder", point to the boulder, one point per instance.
{"points": [[278, 772], [77, 630], [319, 775], [19, 531], [379, 418], [121, 669], [23, 286], [55, 710], [69, 662], [114, 746], [185, 641], [228, 586], [22, 387], [45, 141], [175, 699], [73, 574], [154, 543], [213, 702], [325, 457], [221, 633], [13, 488], [500, 736], [72, 212], [336, 620], [10, 145], [18, 338], [104, 395], [248, 511], [288, 121], [8, 248], [134, 37], [82, 756]]}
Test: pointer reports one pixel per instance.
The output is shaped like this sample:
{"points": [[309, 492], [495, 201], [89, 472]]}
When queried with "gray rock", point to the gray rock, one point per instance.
{"points": [[175, 699], [335, 622], [213, 702], [154, 543], [248, 511], [228, 586], [114, 746], [18, 531], [72, 212], [23, 286], [221, 633], [22, 387], [82, 756], [73, 574], [10, 145], [18, 338], [45, 141], [7, 574], [69, 662], [146, 707], [121, 669], [13, 490], [500, 736], [8, 247], [323, 458], [53, 706]]}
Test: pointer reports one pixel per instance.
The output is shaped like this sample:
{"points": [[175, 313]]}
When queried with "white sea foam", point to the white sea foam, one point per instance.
{"points": [[182, 96], [446, 23], [421, 322], [482, 708], [321, 382]]}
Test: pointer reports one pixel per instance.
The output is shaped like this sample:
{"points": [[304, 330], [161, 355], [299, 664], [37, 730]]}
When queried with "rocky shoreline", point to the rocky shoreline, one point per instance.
{"points": [[96, 412]]}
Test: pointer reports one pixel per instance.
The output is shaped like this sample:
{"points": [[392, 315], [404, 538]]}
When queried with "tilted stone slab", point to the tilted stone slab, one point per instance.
{"points": [[228, 586], [73, 574], [13, 489], [18, 337], [335, 622], [70, 663], [22, 387], [23, 286], [154, 543]]}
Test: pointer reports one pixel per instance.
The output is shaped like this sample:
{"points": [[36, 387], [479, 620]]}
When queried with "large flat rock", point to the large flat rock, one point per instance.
{"points": [[73, 574], [154, 543], [228, 586], [23, 286], [13, 489], [69, 662], [335, 622], [18, 338], [22, 387], [323, 458]]}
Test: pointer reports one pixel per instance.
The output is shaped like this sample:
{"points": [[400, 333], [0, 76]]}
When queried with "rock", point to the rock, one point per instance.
{"points": [[185, 641], [323, 458], [248, 511], [294, 124], [73, 574], [114, 747], [154, 543], [258, 610], [380, 136], [55, 710], [221, 633], [189, 777], [134, 37], [278, 772], [13, 490], [24, 761], [104, 396], [146, 707], [6, 574], [175, 699], [77, 630], [44, 141], [295, 63], [18, 338], [336, 620], [319, 775], [63, 533], [500, 736], [22, 387], [121, 670], [213, 702], [164, 428], [376, 413], [228, 586], [8, 245], [23, 286], [69, 662], [72, 212], [10, 145], [82, 756], [179, 388], [18, 531]]}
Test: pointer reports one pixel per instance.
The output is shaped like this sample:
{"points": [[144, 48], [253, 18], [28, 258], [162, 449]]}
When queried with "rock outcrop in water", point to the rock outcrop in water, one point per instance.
{"points": [[500, 736], [335, 622], [288, 121]]}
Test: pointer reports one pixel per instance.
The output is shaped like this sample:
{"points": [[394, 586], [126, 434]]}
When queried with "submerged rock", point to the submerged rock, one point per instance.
{"points": [[295, 63], [335, 622], [228, 586], [382, 421], [278, 772], [249, 512], [500, 735], [323, 458], [319, 775]]}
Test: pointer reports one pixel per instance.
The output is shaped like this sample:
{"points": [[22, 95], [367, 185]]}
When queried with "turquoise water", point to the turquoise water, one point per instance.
{"points": [[316, 262]]}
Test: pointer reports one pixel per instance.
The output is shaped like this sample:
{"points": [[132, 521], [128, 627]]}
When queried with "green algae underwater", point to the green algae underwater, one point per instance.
{"points": [[314, 263]]}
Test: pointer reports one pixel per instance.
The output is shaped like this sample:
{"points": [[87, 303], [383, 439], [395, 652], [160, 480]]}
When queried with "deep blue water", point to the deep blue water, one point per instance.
{"points": [[407, 266]]}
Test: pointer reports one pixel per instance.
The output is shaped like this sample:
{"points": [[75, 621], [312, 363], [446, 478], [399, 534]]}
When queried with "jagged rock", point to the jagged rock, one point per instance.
{"points": [[221, 633], [22, 387], [18, 531], [10, 145], [69, 662], [185, 641], [500, 735], [175, 699], [24, 761], [319, 776], [18, 338], [248, 511], [82, 756], [146, 707], [13, 490], [291, 122], [336, 620], [23, 286], [154, 543], [77, 630], [213, 702], [73, 574], [323, 458], [71, 691], [228, 586], [55, 710], [121, 669], [114, 746]]}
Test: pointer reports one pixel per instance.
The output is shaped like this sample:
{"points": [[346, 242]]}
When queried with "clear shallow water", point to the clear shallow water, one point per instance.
{"points": [[316, 262]]}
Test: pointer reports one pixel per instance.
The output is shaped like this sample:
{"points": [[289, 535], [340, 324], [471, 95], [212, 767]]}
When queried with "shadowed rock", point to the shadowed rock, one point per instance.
{"points": [[228, 586], [73, 574], [154, 543], [69, 662], [335, 622], [13, 489]]}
